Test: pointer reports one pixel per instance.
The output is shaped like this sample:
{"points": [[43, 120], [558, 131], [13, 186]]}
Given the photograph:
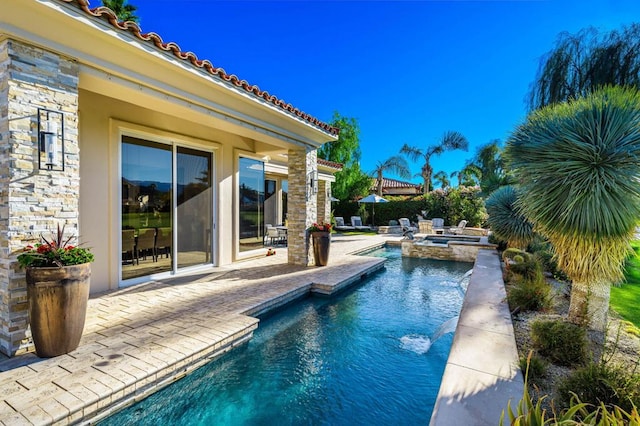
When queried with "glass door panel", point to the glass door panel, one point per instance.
{"points": [[251, 193], [194, 207], [146, 205]]}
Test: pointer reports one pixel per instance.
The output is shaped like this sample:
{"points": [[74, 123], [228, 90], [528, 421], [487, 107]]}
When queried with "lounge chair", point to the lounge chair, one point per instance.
{"points": [[356, 222], [406, 225], [458, 229], [340, 226], [437, 225]]}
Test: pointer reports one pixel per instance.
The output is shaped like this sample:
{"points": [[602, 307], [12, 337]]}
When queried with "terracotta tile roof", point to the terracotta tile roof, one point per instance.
{"points": [[393, 183], [216, 72], [330, 164]]}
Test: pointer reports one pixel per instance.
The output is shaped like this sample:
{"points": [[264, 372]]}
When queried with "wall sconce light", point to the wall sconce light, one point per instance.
{"points": [[312, 180], [50, 140]]}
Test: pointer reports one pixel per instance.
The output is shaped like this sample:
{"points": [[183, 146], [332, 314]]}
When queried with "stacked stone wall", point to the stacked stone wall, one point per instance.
{"points": [[32, 201], [301, 208]]}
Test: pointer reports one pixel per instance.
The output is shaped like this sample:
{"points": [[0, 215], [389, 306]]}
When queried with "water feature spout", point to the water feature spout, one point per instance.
{"points": [[422, 344], [461, 287]]}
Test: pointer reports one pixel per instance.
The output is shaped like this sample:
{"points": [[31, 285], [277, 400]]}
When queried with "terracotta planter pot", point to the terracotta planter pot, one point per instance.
{"points": [[321, 246], [57, 307]]}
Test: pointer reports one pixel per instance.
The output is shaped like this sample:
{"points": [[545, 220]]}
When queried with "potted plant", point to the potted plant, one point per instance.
{"points": [[57, 275], [321, 233]]}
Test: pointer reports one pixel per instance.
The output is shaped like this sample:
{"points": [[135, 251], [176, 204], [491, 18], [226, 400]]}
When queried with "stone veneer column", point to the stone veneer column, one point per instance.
{"points": [[324, 205], [301, 212], [32, 201]]}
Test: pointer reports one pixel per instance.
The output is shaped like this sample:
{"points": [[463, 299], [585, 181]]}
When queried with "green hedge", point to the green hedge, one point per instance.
{"points": [[453, 205]]}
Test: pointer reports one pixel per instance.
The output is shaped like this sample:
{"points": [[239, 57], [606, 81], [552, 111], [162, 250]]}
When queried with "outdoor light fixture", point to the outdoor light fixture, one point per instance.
{"points": [[312, 180], [50, 140]]}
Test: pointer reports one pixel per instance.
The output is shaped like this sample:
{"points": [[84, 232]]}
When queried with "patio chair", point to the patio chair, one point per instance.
{"points": [[340, 226], [128, 246], [163, 242], [146, 243], [437, 225], [273, 235], [406, 225], [356, 222], [458, 229]]}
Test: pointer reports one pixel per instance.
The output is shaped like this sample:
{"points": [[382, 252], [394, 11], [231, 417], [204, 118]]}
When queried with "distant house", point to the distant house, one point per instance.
{"points": [[141, 135], [397, 187]]}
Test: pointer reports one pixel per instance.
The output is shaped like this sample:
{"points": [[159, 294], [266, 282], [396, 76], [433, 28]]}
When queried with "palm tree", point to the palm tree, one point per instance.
{"points": [[470, 175], [488, 166], [450, 141], [505, 220], [578, 164], [123, 10], [442, 178], [396, 164]]}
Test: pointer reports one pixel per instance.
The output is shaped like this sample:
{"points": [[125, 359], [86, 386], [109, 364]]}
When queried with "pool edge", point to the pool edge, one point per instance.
{"points": [[482, 373]]}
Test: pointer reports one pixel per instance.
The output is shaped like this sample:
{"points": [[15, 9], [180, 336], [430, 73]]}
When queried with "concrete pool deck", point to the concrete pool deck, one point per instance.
{"points": [[140, 339]]}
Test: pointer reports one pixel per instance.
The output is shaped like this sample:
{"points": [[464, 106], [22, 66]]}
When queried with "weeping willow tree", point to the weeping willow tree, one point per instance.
{"points": [[450, 140], [583, 62], [505, 220], [578, 164]]}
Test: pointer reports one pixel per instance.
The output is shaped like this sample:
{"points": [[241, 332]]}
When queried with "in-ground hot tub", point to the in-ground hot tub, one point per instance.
{"points": [[461, 248]]}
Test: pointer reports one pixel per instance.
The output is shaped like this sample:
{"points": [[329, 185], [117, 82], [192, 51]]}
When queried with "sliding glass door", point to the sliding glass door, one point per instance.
{"points": [[167, 216], [194, 199]]}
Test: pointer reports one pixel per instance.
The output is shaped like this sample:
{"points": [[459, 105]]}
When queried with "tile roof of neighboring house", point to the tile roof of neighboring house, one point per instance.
{"points": [[217, 72], [393, 183], [330, 164]]}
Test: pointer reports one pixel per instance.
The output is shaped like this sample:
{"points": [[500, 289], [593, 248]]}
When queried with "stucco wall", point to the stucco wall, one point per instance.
{"points": [[103, 120]]}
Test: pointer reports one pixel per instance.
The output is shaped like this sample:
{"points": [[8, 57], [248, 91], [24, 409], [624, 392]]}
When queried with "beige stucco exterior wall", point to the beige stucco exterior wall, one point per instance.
{"points": [[103, 122]]}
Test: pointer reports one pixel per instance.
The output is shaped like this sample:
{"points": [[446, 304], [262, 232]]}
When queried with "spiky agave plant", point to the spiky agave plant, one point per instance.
{"points": [[578, 164], [505, 220]]}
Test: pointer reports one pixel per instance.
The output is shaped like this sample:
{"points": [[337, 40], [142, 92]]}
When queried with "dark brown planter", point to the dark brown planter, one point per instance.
{"points": [[321, 246], [57, 307]]}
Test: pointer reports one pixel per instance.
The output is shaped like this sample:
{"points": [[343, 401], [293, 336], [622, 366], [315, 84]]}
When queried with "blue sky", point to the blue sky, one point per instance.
{"points": [[408, 71]]}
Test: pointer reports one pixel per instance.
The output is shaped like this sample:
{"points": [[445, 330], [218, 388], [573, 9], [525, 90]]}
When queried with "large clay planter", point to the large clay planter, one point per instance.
{"points": [[57, 307], [321, 245]]}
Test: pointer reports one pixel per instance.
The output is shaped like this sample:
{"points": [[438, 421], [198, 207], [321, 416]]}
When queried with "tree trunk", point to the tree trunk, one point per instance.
{"points": [[590, 305]]}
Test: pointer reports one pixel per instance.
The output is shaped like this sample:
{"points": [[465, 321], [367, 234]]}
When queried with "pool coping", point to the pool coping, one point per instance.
{"points": [[482, 372]]}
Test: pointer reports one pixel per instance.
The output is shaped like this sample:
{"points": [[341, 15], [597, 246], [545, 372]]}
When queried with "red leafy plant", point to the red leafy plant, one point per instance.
{"points": [[54, 251], [320, 227]]}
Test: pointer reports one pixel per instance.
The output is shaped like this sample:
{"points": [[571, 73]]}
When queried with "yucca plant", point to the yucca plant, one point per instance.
{"points": [[505, 220], [578, 165]]}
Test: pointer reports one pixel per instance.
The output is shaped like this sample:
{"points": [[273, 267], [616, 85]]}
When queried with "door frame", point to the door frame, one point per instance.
{"points": [[122, 128]]}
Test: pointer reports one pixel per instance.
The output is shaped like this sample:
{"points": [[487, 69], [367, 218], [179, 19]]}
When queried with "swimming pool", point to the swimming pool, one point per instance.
{"points": [[362, 357]]}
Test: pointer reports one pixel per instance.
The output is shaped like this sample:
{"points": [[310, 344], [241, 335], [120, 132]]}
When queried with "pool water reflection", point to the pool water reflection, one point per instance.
{"points": [[332, 361]]}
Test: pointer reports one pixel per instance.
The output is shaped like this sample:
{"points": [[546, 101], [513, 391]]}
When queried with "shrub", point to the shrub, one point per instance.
{"points": [[529, 294], [578, 413], [536, 364], [542, 249], [601, 383], [561, 342], [512, 252]]}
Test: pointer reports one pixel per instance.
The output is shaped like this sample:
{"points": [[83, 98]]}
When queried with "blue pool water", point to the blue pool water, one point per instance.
{"points": [[363, 357]]}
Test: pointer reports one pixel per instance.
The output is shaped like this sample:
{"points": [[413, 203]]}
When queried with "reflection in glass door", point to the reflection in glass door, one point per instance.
{"points": [[150, 230], [146, 206], [194, 202]]}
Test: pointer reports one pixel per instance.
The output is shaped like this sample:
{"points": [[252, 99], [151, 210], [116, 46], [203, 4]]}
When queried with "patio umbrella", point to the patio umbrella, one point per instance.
{"points": [[373, 199]]}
